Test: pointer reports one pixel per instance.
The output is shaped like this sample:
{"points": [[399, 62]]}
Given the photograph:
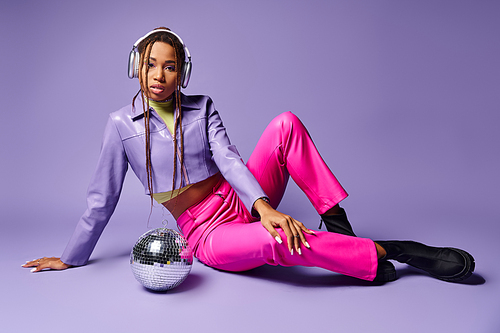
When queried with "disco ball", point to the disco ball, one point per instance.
{"points": [[161, 259]]}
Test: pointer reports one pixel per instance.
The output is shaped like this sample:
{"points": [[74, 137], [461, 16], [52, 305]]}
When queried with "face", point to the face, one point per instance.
{"points": [[162, 74]]}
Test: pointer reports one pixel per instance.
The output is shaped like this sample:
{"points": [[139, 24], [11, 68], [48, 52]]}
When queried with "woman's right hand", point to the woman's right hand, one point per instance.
{"points": [[294, 230], [44, 263]]}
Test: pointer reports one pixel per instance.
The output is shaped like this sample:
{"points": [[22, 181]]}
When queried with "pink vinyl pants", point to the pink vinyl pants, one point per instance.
{"points": [[226, 236]]}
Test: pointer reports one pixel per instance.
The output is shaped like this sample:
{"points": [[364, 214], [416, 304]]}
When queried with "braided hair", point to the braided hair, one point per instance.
{"points": [[144, 49]]}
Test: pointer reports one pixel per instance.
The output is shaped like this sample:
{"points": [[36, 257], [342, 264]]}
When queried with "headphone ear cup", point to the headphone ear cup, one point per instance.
{"points": [[133, 64], [186, 74]]}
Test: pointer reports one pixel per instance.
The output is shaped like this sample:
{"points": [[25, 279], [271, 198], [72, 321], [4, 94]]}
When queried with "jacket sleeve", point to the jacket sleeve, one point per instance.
{"points": [[102, 196], [229, 161]]}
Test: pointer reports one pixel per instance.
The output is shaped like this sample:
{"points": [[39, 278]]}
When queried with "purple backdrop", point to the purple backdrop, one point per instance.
{"points": [[401, 97]]}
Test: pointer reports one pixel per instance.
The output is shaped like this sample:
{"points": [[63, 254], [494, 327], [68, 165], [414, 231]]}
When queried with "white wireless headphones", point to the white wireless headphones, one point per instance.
{"points": [[134, 57]]}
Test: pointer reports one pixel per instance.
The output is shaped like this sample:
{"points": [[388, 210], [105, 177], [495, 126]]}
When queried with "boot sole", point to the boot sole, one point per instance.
{"points": [[387, 273], [465, 273]]}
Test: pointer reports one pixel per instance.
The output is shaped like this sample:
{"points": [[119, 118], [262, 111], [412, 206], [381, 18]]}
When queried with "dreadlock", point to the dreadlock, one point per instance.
{"points": [[144, 49]]}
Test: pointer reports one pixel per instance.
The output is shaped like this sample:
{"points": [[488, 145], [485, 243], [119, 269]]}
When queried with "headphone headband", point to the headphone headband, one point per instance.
{"points": [[188, 55], [134, 57]]}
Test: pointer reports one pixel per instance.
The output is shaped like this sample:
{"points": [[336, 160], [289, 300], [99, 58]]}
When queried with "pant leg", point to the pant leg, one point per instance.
{"points": [[246, 246], [219, 231], [286, 149], [236, 245]]}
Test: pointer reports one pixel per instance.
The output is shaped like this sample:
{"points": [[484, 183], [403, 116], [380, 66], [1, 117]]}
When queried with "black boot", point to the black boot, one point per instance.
{"points": [[339, 224], [445, 263]]}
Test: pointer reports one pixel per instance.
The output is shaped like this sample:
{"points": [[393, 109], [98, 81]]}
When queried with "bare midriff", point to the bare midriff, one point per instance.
{"points": [[196, 193]]}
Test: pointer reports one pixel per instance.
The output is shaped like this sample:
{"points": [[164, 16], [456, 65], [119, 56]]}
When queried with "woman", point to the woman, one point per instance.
{"points": [[177, 146]]}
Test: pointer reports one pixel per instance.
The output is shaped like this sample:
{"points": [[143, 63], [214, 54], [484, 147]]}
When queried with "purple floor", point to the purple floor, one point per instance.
{"points": [[401, 97], [104, 296]]}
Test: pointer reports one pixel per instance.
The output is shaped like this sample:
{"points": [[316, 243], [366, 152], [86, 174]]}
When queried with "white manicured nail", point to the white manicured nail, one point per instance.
{"points": [[291, 251], [307, 245], [278, 239], [299, 251], [34, 269]]}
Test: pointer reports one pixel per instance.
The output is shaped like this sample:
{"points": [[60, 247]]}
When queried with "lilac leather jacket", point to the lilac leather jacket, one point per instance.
{"points": [[207, 150]]}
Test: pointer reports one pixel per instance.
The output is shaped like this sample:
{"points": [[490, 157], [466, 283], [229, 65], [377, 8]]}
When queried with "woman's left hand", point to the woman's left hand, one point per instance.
{"points": [[272, 219]]}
